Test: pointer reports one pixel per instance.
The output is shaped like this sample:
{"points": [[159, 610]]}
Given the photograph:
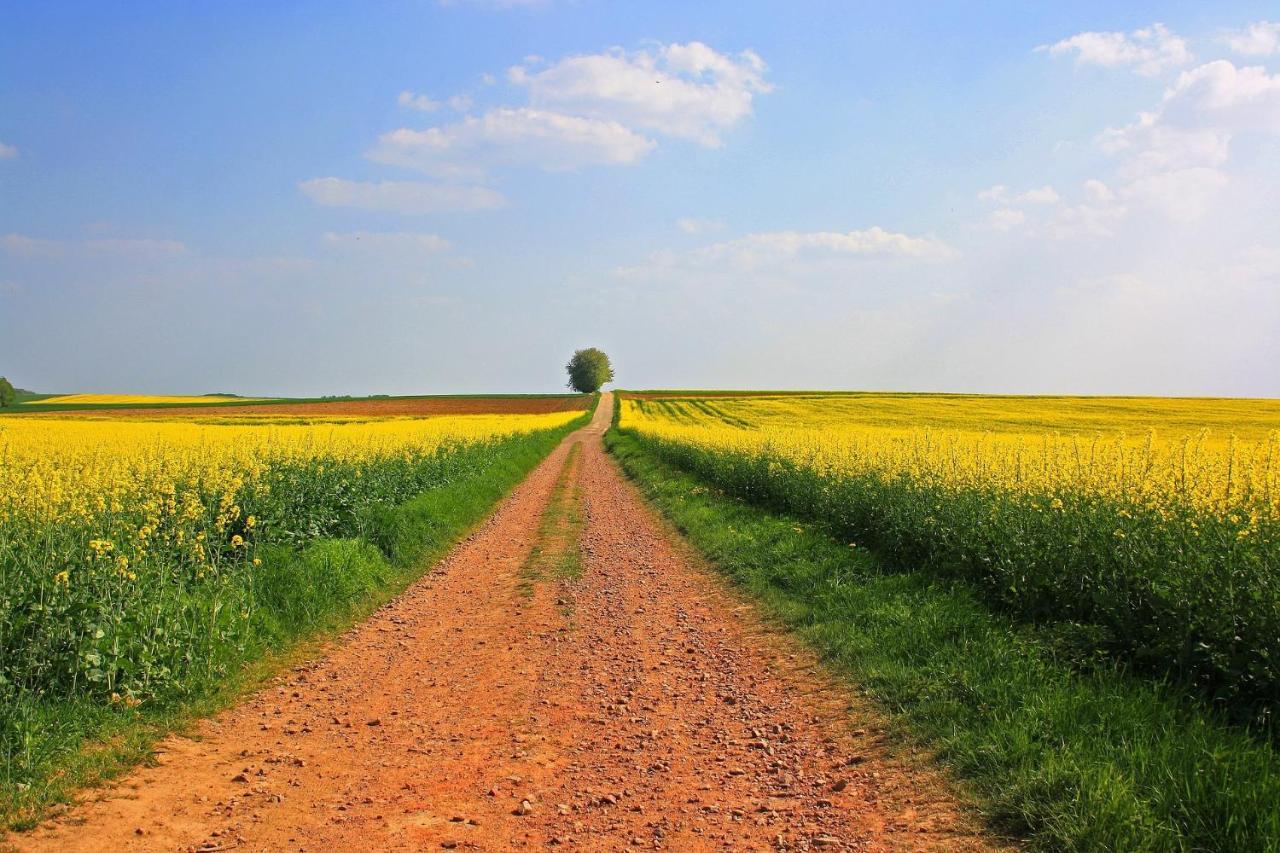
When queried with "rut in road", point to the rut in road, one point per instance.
{"points": [[571, 675]]}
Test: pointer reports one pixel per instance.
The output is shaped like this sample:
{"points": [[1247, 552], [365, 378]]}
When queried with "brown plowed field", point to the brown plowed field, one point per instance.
{"points": [[570, 675], [418, 406]]}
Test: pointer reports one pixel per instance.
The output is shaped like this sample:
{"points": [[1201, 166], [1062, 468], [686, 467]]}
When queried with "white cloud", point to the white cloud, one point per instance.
{"points": [[1043, 211], [1006, 219], [688, 91], [1184, 195], [766, 247], [997, 193], [1149, 51], [788, 251], [1220, 94], [1200, 114], [138, 248], [1043, 195], [1112, 284], [8, 151], [417, 101], [388, 241], [692, 225], [414, 197], [1174, 156], [511, 137], [1098, 192], [1153, 146], [1261, 38], [582, 111], [1074, 221], [1000, 194]]}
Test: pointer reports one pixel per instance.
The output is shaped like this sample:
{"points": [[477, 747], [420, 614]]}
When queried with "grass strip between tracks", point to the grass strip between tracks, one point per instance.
{"points": [[556, 550], [1061, 755], [315, 593]]}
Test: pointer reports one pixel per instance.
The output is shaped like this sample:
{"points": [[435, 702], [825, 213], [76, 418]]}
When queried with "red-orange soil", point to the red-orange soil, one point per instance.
{"points": [[419, 406]]}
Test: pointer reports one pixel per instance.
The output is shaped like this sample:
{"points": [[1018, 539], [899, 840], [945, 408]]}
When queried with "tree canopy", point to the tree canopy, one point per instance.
{"points": [[588, 370], [7, 393]]}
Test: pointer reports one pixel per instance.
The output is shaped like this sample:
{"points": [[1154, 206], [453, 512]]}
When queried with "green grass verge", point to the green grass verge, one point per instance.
{"points": [[1064, 755], [556, 546], [58, 745]]}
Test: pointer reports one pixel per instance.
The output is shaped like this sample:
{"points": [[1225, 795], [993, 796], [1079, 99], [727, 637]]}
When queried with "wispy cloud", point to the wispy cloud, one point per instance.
{"points": [[692, 225], [1149, 51], [583, 110], [141, 248], [138, 248], [1261, 38], [467, 149], [411, 197], [792, 253], [8, 151], [384, 241], [417, 101], [690, 91], [1003, 195]]}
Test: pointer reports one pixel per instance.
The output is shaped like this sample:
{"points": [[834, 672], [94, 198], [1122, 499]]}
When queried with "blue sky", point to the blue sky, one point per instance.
{"points": [[405, 197]]}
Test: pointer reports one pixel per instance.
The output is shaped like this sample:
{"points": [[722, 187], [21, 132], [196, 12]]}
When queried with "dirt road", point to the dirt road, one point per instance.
{"points": [[569, 675]]}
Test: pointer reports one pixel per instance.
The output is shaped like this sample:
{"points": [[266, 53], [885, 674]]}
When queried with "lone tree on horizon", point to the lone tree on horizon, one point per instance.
{"points": [[7, 393], [588, 370]]}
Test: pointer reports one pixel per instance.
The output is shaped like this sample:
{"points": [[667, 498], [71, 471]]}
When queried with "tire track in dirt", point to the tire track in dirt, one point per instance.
{"points": [[639, 705]]}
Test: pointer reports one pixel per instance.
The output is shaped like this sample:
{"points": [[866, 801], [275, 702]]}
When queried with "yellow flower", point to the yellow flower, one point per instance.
{"points": [[250, 522], [63, 578], [1032, 448], [237, 541]]}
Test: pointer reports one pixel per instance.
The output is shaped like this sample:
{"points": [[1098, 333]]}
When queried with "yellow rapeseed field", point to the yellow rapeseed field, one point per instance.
{"points": [[1221, 456], [75, 470], [1156, 523]]}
